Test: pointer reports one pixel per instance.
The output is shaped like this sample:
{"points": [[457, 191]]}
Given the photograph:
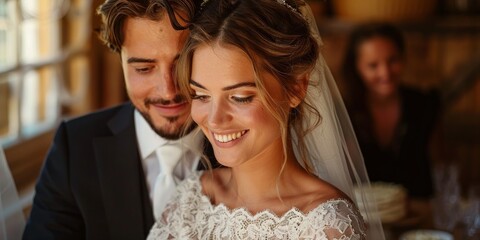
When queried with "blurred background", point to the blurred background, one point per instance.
{"points": [[53, 67], [442, 52]]}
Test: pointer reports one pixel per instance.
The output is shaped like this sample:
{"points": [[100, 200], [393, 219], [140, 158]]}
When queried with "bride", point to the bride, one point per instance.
{"points": [[263, 96]]}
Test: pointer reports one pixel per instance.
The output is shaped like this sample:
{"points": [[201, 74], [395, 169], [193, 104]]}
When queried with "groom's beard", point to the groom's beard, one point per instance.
{"points": [[161, 131]]}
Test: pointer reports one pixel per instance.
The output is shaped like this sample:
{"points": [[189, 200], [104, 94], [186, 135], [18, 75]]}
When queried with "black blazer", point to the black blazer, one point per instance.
{"points": [[92, 184]]}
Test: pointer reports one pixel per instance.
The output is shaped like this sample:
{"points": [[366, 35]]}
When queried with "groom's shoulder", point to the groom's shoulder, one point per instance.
{"points": [[98, 121], [102, 115]]}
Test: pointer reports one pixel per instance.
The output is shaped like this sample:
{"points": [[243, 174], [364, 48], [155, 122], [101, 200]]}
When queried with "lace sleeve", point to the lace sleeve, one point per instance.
{"points": [[164, 228], [342, 221]]}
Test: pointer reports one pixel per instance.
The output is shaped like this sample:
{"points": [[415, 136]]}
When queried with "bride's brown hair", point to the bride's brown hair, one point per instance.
{"points": [[278, 41]]}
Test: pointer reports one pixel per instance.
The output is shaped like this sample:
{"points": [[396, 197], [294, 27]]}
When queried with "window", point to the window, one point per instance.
{"points": [[44, 68]]}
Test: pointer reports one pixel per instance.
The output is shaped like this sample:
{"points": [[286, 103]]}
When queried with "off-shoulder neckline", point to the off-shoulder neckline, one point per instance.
{"points": [[195, 178]]}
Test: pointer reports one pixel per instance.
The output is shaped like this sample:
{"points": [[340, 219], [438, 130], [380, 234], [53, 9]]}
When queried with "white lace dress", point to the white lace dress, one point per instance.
{"points": [[191, 215]]}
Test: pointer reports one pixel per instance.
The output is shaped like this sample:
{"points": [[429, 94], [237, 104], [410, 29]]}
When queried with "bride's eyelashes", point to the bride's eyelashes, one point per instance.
{"points": [[236, 98], [247, 99]]}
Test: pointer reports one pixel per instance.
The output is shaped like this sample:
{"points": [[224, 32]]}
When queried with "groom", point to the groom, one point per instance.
{"points": [[98, 180]]}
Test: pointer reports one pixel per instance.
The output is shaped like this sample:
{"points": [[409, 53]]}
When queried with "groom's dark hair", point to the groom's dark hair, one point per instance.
{"points": [[115, 12]]}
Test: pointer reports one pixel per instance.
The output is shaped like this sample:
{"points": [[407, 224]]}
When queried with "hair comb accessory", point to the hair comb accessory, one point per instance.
{"points": [[202, 5], [284, 3]]}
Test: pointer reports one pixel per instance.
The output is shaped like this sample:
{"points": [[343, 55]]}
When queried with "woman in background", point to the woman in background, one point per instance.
{"points": [[393, 123]]}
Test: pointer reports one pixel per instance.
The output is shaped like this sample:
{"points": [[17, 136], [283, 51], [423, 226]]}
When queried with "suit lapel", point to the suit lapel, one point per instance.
{"points": [[120, 173]]}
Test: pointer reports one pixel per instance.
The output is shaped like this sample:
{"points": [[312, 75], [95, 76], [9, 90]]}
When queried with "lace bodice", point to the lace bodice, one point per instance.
{"points": [[191, 215]]}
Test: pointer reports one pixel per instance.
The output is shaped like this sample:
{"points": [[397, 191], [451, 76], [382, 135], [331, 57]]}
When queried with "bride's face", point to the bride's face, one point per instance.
{"points": [[227, 105]]}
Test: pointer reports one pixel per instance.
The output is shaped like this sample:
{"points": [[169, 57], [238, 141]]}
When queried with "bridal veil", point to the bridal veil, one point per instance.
{"points": [[332, 146]]}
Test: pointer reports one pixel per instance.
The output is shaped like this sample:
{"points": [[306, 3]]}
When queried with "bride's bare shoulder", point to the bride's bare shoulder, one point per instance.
{"points": [[322, 192]]}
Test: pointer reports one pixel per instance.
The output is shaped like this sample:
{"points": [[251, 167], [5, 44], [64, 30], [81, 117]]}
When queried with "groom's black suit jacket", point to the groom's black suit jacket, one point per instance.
{"points": [[92, 184]]}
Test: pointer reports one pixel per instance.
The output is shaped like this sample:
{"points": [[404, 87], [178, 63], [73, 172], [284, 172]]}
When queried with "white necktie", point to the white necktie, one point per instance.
{"points": [[168, 156]]}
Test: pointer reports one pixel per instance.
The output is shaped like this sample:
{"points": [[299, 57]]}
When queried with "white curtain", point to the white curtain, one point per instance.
{"points": [[12, 220]]}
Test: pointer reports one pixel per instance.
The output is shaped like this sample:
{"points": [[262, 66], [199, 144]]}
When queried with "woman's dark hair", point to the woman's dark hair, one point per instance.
{"points": [[354, 84]]}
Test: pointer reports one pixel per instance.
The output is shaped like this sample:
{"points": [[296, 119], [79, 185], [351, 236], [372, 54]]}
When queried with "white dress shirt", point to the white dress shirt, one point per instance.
{"points": [[148, 141]]}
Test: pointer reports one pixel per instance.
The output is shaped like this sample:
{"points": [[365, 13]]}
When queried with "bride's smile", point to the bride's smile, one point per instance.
{"points": [[225, 138]]}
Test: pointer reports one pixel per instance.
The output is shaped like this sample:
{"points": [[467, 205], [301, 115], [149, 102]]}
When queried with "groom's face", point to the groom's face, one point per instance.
{"points": [[149, 52]]}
